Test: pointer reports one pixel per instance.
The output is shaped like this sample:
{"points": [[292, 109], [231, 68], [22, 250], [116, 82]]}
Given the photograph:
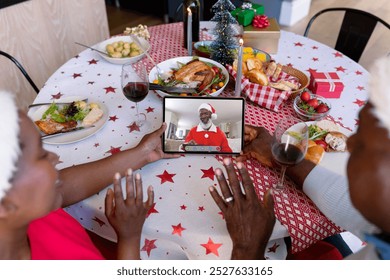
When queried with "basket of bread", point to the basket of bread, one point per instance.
{"points": [[269, 83]]}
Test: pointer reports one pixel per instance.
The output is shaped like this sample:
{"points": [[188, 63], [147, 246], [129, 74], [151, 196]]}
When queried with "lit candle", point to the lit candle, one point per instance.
{"points": [[189, 32], [237, 91]]}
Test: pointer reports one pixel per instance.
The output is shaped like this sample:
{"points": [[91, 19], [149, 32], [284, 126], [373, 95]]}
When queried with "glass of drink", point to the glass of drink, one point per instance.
{"points": [[135, 85], [289, 145]]}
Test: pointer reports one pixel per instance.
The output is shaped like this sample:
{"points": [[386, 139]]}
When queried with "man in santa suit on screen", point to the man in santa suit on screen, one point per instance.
{"points": [[206, 133]]}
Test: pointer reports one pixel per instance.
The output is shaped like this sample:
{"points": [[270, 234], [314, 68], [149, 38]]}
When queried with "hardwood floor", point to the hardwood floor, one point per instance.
{"points": [[378, 45]]}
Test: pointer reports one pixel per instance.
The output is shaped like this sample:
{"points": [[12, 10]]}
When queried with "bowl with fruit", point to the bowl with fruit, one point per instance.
{"points": [[311, 107]]}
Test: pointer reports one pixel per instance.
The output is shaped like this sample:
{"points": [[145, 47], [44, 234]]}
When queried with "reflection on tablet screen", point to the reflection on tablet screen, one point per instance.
{"points": [[206, 125]]}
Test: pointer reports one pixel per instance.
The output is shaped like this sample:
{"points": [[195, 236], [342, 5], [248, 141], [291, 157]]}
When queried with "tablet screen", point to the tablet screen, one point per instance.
{"points": [[204, 125]]}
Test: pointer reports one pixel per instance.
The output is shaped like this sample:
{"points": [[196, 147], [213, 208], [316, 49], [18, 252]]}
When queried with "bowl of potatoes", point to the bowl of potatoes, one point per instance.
{"points": [[122, 49]]}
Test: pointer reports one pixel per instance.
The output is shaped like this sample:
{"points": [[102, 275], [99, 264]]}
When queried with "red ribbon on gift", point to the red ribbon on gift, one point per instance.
{"points": [[328, 79], [260, 21]]}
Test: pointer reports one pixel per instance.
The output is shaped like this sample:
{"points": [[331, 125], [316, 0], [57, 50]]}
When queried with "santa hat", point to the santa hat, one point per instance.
{"points": [[380, 91], [9, 140], [210, 108]]}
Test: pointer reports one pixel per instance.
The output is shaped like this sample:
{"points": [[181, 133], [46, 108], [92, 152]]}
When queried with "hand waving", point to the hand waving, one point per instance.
{"points": [[127, 215], [249, 221]]}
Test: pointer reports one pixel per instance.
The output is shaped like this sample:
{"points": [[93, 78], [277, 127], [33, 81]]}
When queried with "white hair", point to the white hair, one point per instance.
{"points": [[9, 139], [380, 91]]}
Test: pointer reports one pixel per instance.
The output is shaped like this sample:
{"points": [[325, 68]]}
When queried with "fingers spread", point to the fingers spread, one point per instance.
{"points": [[246, 182], [218, 199], [233, 180], [222, 183]]}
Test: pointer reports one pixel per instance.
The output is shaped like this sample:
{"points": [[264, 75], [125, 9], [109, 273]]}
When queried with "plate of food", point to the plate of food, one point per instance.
{"points": [[65, 122], [327, 145], [207, 76], [122, 49]]}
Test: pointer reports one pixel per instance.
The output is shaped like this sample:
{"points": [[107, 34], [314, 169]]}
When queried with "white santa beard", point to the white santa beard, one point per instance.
{"points": [[207, 125]]}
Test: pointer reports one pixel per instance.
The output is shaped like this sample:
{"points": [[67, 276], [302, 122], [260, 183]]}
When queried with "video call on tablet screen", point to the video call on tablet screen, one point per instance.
{"points": [[203, 125]]}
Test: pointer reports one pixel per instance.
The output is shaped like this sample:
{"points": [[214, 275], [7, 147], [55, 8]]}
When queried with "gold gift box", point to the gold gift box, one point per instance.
{"points": [[265, 39]]}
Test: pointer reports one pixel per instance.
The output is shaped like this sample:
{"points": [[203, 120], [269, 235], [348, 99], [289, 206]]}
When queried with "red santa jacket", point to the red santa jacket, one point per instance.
{"points": [[212, 137]]}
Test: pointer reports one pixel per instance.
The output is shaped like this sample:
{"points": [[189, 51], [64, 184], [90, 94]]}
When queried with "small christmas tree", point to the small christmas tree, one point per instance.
{"points": [[225, 44]]}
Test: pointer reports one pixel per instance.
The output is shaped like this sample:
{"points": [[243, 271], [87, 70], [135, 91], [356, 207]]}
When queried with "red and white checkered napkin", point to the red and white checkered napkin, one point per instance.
{"points": [[265, 96]]}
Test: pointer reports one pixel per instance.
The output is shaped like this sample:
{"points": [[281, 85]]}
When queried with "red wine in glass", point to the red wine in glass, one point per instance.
{"points": [[286, 154], [289, 145], [135, 86], [135, 91]]}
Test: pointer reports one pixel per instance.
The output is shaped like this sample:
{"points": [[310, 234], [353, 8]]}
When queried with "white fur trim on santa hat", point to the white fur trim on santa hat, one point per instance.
{"points": [[210, 108], [380, 90], [9, 140]]}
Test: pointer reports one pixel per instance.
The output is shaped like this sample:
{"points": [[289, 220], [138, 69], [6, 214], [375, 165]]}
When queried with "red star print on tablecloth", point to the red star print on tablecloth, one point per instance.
{"points": [[177, 229], [341, 69], [91, 83], [149, 110], [93, 61], [110, 89], [133, 127], [114, 150], [314, 47], [212, 247], [183, 207], [338, 54], [208, 173], [201, 208], [312, 70], [360, 88], [76, 75], [100, 222], [113, 118], [359, 102], [315, 58], [358, 73], [166, 177], [152, 210], [149, 246], [96, 145], [298, 44], [57, 96], [273, 248]]}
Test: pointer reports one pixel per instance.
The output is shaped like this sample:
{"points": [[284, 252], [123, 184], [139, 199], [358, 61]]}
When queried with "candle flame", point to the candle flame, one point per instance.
{"points": [[241, 41], [189, 11]]}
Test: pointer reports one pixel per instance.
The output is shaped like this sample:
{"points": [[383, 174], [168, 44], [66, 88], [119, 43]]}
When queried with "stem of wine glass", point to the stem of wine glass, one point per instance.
{"points": [[280, 185], [139, 123]]}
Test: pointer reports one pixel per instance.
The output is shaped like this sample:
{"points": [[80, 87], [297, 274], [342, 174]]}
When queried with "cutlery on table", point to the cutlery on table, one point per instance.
{"points": [[153, 86], [159, 71], [66, 132], [88, 47], [49, 103]]}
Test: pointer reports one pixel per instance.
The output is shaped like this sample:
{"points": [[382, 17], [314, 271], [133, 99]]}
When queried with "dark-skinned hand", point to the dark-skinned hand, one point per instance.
{"points": [[249, 221]]}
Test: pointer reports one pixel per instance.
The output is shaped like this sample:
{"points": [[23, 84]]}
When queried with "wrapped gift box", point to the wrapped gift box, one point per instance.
{"points": [[245, 16], [265, 39], [326, 84]]}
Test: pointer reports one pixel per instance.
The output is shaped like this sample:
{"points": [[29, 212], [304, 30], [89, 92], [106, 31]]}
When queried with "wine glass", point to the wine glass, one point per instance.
{"points": [[135, 85], [289, 145]]}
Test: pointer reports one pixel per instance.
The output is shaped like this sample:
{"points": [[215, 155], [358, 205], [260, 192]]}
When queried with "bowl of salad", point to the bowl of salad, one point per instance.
{"points": [[207, 76], [203, 48]]}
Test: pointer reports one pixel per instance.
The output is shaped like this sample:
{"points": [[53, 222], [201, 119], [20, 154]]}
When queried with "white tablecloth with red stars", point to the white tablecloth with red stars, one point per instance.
{"points": [[184, 222]]}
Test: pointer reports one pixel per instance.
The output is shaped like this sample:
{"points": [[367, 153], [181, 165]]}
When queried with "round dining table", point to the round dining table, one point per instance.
{"points": [[184, 221]]}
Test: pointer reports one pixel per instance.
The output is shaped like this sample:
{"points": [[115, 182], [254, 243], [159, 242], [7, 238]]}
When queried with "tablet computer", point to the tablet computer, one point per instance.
{"points": [[203, 125]]}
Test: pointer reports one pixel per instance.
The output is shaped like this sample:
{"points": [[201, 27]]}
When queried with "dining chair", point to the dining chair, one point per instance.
{"points": [[21, 68], [355, 31]]}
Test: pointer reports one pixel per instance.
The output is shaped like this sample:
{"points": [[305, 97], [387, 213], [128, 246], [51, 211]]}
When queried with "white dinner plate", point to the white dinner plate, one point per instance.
{"points": [[36, 113], [167, 66], [123, 60], [334, 161]]}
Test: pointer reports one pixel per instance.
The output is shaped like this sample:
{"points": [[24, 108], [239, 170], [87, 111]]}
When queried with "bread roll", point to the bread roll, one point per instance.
{"points": [[244, 66], [254, 63], [315, 153], [93, 116], [257, 76], [277, 71], [271, 68], [336, 141], [279, 86], [289, 84]]}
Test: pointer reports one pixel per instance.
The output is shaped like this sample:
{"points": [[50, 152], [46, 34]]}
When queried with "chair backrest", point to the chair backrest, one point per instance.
{"points": [[355, 31], [21, 68]]}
